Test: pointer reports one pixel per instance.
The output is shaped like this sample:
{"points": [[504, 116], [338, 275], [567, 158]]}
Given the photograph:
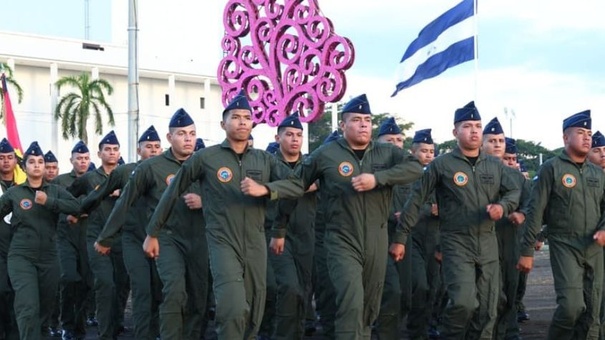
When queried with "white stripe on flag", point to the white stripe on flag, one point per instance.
{"points": [[453, 34]]}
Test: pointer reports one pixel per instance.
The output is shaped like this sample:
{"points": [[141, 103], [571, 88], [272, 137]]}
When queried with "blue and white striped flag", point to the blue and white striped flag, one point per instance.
{"points": [[447, 41]]}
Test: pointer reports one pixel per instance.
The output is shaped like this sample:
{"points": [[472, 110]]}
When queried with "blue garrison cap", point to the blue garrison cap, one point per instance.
{"points": [[358, 104], [5, 146], [467, 112], [199, 144], [91, 166], [389, 127], [580, 119], [250, 137], [493, 127], [291, 121], [150, 135], [109, 138], [80, 147], [180, 119], [522, 166], [121, 161], [331, 137], [49, 157], [239, 102], [511, 145], [272, 147], [598, 140], [33, 150], [423, 136]]}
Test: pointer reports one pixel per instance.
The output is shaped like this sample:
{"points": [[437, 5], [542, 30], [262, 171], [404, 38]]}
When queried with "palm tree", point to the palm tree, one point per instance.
{"points": [[8, 72], [75, 108]]}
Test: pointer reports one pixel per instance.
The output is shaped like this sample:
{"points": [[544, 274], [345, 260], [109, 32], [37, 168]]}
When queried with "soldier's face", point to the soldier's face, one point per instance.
{"points": [[51, 170], [357, 129], [425, 153], [597, 156], [494, 145], [34, 166], [149, 149], [468, 133], [290, 140], [396, 140], [8, 161], [182, 140], [238, 125], [578, 141], [80, 162], [109, 154], [510, 160]]}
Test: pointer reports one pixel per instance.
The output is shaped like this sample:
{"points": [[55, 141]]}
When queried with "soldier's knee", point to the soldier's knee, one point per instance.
{"points": [[570, 311]]}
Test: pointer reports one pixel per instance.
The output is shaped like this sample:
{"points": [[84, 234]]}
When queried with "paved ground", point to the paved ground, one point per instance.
{"points": [[539, 301]]}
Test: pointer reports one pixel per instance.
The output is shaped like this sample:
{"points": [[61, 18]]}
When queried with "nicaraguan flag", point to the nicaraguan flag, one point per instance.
{"points": [[447, 41]]}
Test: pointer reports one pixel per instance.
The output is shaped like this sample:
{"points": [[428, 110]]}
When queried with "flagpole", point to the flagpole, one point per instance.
{"points": [[476, 47]]}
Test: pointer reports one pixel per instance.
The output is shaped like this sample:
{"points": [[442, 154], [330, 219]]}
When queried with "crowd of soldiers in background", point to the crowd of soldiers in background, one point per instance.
{"points": [[357, 237]]}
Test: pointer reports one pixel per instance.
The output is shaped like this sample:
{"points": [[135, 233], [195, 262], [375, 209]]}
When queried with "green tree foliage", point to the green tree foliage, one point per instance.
{"points": [[10, 80], [75, 108]]}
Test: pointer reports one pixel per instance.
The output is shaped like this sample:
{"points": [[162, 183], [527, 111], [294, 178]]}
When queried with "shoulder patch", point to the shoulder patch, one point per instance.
{"points": [[345, 169], [568, 180], [169, 179], [25, 204], [460, 178], [224, 174]]}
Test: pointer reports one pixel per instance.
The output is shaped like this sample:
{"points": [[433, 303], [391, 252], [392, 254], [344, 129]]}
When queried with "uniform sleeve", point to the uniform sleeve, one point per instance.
{"points": [[601, 225], [190, 171], [525, 195], [510, 190], [421, 191], [95, 197], [284, 184], [78, 187], [406, 169], [63, 202], [540, 193], [6, 206], [132, 191]]}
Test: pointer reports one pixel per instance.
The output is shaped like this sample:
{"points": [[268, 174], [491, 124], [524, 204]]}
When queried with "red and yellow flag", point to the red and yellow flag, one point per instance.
{"points": [[12, 134]]}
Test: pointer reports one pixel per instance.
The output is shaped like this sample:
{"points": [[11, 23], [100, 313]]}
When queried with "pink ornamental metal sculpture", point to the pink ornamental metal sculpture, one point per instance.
{"points": [[292, 60]]}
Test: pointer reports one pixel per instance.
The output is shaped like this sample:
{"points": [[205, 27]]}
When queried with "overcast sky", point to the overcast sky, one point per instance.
{"points": [[541, 58]]}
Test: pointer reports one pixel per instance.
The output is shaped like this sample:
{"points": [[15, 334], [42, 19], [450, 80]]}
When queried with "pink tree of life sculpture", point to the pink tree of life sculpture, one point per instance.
{"points": [[285, 56]]}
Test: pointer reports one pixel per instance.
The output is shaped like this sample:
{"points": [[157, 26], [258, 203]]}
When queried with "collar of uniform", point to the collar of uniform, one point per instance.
{"points": [[44, 184], [565, 156], [225, 145], [343, 142], [458, 153], [168, 154], [280, 156]]}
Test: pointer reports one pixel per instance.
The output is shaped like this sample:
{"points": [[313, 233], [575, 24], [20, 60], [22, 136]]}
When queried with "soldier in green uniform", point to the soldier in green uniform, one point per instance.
{"points": [[568, 195], [51, 170], [472, 191], [325, 303], [397, 292], [32, 256], [51, 164], [231, 174], [145, 284], [110, 277], [294, 266], [497, 145], [425, 238], [356, 177], [597, 157], [8, 323], [183, 263], [75, 283]]}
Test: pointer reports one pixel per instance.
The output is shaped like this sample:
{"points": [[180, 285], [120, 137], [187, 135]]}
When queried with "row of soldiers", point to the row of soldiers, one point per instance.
{"points": [[209, 218]]}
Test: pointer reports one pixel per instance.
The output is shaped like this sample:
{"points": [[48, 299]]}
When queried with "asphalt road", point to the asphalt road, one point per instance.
{"points": [[539, 301]]}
